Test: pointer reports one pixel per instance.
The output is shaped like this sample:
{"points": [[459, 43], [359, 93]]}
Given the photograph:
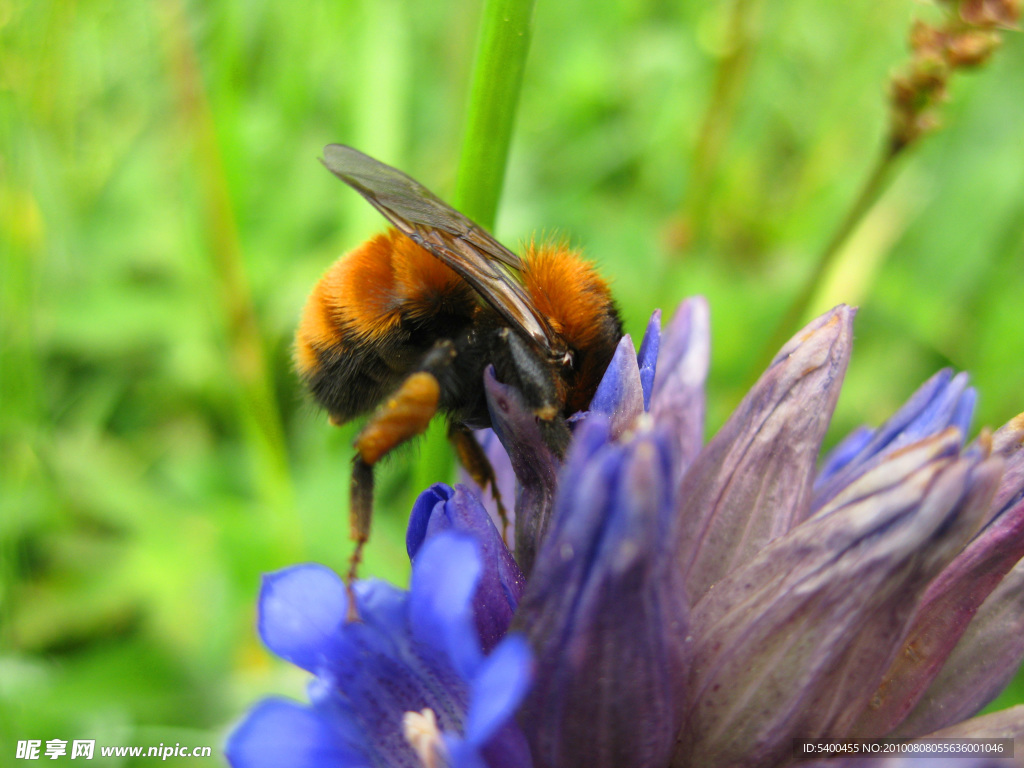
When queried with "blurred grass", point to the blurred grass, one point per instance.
{"points": [[163, 216]]}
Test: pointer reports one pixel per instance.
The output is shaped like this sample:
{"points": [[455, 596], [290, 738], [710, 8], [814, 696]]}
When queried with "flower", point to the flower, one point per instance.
{"points": [[406, 684], [691, 605]]}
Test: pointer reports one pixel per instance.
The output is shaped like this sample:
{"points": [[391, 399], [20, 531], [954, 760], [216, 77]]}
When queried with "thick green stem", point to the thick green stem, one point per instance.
{"points": [[497, 76], [494, 95]]}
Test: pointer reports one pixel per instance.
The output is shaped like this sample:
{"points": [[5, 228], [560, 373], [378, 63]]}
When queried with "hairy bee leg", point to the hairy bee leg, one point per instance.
{"points": [[360, 510], [473, 458], [403, 416]]}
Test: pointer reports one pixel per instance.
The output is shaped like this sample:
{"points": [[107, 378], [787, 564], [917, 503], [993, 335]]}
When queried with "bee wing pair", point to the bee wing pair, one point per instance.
{"points": [[468, 249]]}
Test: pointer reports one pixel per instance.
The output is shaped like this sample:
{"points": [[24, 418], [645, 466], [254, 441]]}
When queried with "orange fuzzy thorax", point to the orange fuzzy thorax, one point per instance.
{"points": [[568, 291]]}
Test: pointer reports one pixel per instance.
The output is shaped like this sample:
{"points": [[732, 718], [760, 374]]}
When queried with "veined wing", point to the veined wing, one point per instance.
{"points": [[452, 237]]}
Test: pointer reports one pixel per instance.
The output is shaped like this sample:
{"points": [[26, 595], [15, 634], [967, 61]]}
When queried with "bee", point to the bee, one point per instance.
{"points": [[406, 324]]}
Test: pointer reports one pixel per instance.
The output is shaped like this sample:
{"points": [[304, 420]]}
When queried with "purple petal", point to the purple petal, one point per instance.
{"points": [[954, 597], [752, 482], [532, 459], [441, 508], [605, 612], [946, 609], [506, 482], [786, 642], [280, 733], [1008, 442], [982, 663], [678, 399], [1007, 724], [647, 357], [620, 394], [1009, 437], [301, 611]]}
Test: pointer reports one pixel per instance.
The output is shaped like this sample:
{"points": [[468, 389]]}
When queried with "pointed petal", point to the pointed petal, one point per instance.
{"points": [[534, 463], [1008, 442], [1009, 437], [981, 664], [953, 599], [783, 644], [620, 394], [843, 453], [440, 508], [752, 482], [506, 482], [678, 399], [944, 400], [949, 603], [647, 357], [605, 613]]}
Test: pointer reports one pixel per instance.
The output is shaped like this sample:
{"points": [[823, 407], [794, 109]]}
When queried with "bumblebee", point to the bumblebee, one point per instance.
{"points": [[405, 325]]}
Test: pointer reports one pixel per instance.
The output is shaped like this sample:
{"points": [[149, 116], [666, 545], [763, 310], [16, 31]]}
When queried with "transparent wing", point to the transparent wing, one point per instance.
{"points": [[453, 238]]}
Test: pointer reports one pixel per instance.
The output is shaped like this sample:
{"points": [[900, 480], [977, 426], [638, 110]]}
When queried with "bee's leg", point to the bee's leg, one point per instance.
{"points": [[403, 416], [473, 458]]}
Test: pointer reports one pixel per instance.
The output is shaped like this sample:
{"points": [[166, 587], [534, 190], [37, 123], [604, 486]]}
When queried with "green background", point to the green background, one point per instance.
{"points": [[163, 216]]}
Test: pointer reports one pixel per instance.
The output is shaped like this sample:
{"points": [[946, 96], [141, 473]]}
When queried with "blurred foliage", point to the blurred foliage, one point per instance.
{"points": [[163, 216]]}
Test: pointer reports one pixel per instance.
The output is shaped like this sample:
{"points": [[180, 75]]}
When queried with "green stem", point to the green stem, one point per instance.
{"points": [[494, 95], [871, 190]]}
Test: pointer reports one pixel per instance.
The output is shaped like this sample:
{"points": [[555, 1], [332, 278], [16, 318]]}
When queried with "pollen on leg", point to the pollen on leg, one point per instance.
{"points": [[422, 734], [406, 414]]}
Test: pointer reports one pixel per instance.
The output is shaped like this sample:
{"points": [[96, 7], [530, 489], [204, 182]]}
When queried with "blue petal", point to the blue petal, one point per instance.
{"points": [[925, 413], [422, 511], [382, 606], [620, 394], [963, 411], [678, 400], [301, 610], [944, 400], [463, 755], [647, 357], [606, 613], [843, 453], [501, 584], [444, 578], [279, 733], [500, 685]]}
